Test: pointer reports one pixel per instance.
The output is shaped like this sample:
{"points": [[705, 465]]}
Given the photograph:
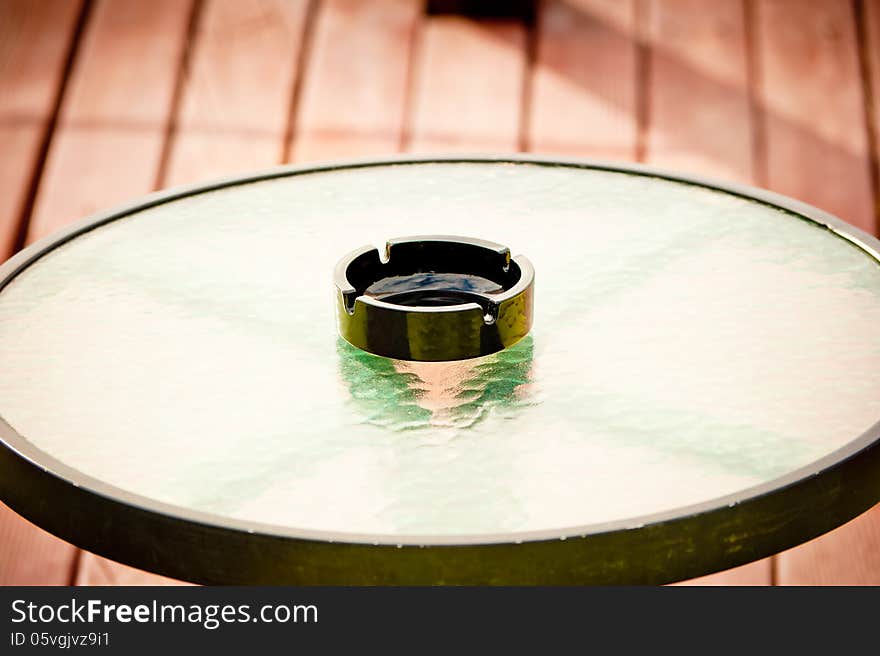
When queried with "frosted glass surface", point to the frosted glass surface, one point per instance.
{"points": [[687, 344]]}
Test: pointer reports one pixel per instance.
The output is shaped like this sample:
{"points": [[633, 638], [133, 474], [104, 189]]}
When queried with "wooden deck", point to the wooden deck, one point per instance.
{"points": [[106, 100]]}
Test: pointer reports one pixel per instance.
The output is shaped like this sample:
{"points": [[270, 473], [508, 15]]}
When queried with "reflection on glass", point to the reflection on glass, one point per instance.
{"points": [[406, 395], [436, 402]]}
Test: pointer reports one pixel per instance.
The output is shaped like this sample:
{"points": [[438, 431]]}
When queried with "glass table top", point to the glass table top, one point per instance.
{"points": [[688, 344]]}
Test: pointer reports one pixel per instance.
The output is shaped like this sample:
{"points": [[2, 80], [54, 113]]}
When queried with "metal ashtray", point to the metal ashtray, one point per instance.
{"points": [[434, 298]]}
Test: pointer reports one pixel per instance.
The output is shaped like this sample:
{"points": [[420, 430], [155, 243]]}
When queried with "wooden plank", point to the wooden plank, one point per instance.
{"points": [[849, 555], [342, 29], [565, 43], [35, 39], [698, 89], [810, 90], [759, 572], [468, 85], [354, 92], [699, 120], [584, 97], [236, 101], [30, 556], [95, 570], [112, 125], [106, 148], [233, 117], [586, 100], [870, 48]]}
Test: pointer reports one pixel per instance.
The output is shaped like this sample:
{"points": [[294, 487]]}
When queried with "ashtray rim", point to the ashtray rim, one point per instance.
{"points": [[385, 328]]}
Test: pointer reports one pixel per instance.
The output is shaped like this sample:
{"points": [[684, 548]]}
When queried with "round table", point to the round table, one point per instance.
{"points": [[699, 389]]}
